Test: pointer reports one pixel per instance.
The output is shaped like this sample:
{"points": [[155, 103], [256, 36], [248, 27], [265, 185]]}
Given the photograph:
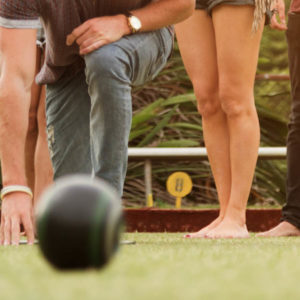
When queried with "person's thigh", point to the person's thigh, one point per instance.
{"points": [[35, 91], [146, 53], [196, 38], [237, 48], [68, 115]]}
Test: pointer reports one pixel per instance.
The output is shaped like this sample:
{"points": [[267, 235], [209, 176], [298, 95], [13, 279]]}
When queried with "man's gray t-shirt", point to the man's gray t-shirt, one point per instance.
{"points": [[59, 18]]}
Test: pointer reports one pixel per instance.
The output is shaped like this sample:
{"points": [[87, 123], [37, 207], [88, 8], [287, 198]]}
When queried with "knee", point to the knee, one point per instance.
{"points": [[295, 114], [233, 102], [208, 103], [41, 120], [109, 61], [41, 114]]}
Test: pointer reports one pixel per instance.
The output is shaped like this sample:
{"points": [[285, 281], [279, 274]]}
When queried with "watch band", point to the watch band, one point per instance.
{"points": [[129, 15]]}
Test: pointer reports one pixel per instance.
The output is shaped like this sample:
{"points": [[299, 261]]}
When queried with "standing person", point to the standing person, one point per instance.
{"points": [[220, 45], [96, 51], [37, 159], [290, 222]]}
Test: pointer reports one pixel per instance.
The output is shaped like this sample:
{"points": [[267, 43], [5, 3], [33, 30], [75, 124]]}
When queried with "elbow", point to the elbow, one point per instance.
{"points": [[185, 9], [188, 7]]}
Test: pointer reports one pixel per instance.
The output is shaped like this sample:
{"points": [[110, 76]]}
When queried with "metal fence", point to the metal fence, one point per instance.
{"points": [[189, 154]]}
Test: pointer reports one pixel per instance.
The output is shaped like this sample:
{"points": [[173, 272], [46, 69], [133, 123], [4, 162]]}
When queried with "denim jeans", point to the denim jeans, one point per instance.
{"points": [[89, 115], [291, 211]]}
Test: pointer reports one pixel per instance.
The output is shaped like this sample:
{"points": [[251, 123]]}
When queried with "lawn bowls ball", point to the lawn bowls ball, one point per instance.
{"points": [[79, 221]]}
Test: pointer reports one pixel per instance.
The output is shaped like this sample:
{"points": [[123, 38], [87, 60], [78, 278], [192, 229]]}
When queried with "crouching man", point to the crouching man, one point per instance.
{"points": [[96, 51]]}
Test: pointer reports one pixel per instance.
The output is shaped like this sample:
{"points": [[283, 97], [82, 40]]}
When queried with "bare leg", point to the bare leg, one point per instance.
{"points": [[43, 167], [38, 165], [282, 229], [196, 39], [32, 133], [237, 49]]}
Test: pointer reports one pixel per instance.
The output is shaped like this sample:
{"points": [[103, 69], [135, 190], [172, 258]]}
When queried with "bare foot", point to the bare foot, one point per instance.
{"points": [[228, 229], [202, 233], [282, 229]]}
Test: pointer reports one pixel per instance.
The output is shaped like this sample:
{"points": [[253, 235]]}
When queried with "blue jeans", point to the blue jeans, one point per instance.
{"points": [[89, 115]]}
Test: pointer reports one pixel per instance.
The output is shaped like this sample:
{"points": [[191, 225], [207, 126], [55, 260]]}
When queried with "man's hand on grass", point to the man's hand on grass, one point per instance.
{"points": [[97, 32], [16, 209]]}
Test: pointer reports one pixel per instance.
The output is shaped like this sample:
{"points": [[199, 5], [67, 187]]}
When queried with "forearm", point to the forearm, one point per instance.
{"points": [[162, 13], [17, 50], [97, 32], [14, 107]]}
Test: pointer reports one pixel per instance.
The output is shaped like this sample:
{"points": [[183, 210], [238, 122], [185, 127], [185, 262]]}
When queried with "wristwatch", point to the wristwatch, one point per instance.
{"points": [[134, 22]]}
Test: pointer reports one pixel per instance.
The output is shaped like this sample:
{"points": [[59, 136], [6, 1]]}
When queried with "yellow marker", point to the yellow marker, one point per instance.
{"points": [[150, 200], [179, 184]]}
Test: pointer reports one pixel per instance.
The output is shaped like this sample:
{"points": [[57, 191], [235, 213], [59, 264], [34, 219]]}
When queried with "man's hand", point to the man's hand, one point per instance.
{"points": [[16, 210], [278, 20], [101, 31], [97, 32]]}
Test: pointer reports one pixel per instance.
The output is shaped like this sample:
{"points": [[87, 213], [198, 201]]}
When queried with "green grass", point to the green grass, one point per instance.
{"points": [[163, 266]]}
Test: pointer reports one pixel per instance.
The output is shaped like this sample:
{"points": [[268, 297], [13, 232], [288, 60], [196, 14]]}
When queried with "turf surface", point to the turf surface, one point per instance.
{"points": [[163, 266]]}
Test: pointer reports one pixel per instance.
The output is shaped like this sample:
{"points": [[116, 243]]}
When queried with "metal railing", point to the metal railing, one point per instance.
{"points": [[273, 77], [192, 154], [166, 154]]}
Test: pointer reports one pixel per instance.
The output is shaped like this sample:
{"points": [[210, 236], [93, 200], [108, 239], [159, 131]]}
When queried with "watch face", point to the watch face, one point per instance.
{"points": [[135, 23]]}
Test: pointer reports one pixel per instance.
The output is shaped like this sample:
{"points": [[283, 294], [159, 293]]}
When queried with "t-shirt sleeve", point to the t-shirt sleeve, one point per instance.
{"points": [[19, 14]]}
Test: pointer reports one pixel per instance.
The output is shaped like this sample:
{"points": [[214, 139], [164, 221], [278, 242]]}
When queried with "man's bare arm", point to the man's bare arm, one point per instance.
{"points": [[97, 32], [162, 13], [17, 52]]}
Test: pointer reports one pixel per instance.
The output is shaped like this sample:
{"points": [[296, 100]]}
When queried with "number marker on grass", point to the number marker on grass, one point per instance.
{"points": [[179, 184]]}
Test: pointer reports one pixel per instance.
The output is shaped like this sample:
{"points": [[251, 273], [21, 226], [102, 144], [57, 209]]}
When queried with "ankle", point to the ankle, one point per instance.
{"points": [[238, 218], [236, 211], [222, 214]]}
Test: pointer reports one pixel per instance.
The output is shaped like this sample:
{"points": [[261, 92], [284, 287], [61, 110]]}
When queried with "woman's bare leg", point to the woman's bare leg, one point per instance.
{"points": [[32, 133], [43, 167], [196, 39], [237, 49], [38, 165]]}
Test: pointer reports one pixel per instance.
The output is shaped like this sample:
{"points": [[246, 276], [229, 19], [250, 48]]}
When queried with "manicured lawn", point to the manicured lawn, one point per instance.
{"points": [[163, 266]]}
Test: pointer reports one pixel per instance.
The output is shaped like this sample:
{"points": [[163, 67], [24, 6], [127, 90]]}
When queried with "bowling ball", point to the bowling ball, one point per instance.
{"points": [[79, 221]]}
